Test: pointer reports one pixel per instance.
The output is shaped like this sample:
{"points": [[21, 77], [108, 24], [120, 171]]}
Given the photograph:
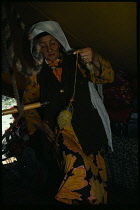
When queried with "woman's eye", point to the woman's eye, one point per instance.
{"points": [[52, 43]]}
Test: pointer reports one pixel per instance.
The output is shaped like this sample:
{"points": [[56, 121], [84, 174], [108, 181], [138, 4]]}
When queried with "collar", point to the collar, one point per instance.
{"points": [[56, 63]]}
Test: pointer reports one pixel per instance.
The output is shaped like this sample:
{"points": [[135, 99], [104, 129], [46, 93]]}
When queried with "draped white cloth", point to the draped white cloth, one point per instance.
{"points": [[98, 104]]}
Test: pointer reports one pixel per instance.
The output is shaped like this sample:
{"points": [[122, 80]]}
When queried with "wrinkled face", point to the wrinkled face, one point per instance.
{"points": [[49, 47]]}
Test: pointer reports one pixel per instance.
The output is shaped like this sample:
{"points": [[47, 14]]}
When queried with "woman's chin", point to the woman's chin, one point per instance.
{"points": [[52, 58]]}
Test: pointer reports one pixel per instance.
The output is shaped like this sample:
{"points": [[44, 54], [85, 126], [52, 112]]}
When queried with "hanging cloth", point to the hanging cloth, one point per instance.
{"points": [[98, 104]]}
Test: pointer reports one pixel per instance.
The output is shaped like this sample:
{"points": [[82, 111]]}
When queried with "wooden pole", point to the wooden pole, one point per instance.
{"points": [[26, 107]]}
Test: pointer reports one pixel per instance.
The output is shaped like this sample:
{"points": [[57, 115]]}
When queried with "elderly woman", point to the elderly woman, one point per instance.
{"points": [[75, 117]]}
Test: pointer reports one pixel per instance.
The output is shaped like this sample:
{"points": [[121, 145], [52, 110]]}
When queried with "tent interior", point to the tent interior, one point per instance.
{"points": [[110, 28]]}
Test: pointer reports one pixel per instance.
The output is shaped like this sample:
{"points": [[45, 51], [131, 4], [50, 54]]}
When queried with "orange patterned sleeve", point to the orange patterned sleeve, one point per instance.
{"points": [[31, 95], [106, 75]]}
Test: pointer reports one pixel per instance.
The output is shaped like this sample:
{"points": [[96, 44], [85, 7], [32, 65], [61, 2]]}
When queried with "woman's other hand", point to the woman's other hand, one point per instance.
{"points": [[44, 127]]}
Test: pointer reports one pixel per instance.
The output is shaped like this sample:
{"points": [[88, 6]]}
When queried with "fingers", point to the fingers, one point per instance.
{"points": [[86, 54], [83, 50], [48, 132], [50, 139], [76, 52], [46, 129]]}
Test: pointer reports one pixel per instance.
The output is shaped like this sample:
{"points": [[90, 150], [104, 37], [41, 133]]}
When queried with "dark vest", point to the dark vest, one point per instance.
{"points": [[86, 121]]}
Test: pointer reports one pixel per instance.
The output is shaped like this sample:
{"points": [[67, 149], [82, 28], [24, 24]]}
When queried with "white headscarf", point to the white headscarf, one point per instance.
{"points": [[52, 28]]}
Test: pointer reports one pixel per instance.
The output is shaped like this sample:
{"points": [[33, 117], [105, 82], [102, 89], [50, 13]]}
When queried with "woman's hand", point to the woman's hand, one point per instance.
{"points": [[44, 127], [88, 56]]}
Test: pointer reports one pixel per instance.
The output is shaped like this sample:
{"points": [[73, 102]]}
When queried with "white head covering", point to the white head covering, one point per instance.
{"points": [[52, 28]]}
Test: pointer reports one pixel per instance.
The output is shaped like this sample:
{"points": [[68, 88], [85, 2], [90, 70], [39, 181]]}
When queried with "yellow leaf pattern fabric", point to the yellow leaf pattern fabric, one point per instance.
{"points": [[85, 176], [105, 76], [31, 95]]}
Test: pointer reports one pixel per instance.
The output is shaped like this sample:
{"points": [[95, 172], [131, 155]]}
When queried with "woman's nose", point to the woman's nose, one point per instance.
{"points": [[49, 49]]}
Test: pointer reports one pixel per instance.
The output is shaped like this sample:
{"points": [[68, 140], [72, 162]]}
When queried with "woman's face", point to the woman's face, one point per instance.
{"points": [[49, 47]]}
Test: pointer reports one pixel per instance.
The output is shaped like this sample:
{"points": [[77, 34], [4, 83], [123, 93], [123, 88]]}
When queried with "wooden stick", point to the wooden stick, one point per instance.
{"points": [[26, 107]]}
